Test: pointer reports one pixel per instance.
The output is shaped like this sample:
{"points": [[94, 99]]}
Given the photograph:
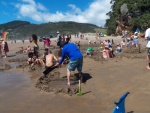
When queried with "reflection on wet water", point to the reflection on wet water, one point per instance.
{"points": [[12, 82]]}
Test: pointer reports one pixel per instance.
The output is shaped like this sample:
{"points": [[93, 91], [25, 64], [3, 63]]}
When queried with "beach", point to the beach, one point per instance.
{"points": [[109, 79]]}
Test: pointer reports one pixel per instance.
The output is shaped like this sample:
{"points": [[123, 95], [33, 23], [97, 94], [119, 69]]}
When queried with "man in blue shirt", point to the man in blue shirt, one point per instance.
{"points": [[75, 57]]}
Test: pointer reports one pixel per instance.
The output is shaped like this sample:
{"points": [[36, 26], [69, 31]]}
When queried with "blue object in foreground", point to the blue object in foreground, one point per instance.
{"points": [[120, 105]]}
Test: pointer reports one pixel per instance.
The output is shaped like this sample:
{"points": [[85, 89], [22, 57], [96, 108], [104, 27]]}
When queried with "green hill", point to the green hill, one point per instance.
{"points": [[24, 29]]}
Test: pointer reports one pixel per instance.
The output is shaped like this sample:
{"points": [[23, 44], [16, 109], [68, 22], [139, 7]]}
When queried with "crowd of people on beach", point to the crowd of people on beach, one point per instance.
{"points": [[70, 52], [107, 47]]}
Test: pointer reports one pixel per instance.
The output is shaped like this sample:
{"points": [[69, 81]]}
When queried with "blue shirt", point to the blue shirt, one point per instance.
{"points": [[72, 51]]}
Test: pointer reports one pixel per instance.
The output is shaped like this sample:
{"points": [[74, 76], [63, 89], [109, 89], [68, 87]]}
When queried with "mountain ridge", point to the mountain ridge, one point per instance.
{"points": [[18, 28]]}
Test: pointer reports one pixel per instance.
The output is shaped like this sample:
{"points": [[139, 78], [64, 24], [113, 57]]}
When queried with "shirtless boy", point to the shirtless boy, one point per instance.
{"points": [[49, 59]]}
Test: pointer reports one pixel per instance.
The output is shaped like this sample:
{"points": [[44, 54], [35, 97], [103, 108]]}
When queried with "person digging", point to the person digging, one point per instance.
{"points": [[76, 59]]}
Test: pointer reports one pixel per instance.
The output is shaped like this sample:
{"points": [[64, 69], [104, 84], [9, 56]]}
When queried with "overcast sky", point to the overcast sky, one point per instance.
{"points": [[42, 11]]}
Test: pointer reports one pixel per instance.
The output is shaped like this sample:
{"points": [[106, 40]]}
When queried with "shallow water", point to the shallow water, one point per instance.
{"points": [[18, 95]]}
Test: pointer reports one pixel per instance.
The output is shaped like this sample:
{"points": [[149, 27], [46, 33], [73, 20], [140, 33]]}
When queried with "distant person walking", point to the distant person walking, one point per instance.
{"points": [[59, 39], [23, 41], [30, 39]]}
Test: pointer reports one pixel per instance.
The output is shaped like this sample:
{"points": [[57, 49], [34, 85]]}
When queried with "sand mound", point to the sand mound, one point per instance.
{"points": [[53, 83], [4, 67]]}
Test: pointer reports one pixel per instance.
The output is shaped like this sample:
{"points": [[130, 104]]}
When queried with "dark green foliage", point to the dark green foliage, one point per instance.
{"points": [[139, 11]]}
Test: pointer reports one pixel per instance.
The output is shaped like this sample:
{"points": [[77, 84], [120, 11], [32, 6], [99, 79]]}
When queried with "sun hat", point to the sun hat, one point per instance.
{"points": [[136, 33]]}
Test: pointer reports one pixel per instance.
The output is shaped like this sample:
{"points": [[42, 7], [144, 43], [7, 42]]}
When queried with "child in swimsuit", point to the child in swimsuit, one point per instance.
{"points": [[118, 49], [106, 53]]}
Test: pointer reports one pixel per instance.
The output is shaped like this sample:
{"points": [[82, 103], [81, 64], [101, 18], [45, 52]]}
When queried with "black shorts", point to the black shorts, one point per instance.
{"points": [[46, 67]]}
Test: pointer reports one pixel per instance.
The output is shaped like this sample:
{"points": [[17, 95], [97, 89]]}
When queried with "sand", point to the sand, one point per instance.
{"points": [[109, 79]]}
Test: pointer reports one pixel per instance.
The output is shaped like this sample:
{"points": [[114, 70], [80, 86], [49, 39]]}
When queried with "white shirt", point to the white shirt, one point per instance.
{"points": [[147, 36], [147, 33]]}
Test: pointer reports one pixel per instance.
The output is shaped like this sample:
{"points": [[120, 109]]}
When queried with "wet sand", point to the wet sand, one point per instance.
{"points": [[110, 79]]}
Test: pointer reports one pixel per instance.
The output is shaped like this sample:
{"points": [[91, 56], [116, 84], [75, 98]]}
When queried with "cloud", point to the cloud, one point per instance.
{"points": [[95, 13], [75, 9]]}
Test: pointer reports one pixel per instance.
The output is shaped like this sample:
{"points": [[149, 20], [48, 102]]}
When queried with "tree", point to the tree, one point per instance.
{"points": [[138, 15]]}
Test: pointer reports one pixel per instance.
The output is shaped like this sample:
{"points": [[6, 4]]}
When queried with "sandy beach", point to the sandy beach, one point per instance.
{"points": [[109, 80]]}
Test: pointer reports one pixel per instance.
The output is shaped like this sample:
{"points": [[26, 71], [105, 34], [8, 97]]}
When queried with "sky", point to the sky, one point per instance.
{"points": [[43, 11]]}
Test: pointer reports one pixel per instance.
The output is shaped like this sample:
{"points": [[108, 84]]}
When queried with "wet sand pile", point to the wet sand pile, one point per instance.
{"points": [[19, 52], [97, 55], [134, 53], [17, 60], [4, 67], [53, 83], [130, 53], [22, 65]]}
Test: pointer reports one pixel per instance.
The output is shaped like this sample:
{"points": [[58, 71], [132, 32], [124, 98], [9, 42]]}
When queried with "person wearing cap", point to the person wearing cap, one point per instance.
{"points": [[75, 56], [147, 38], [135, 39], [89, 51]]}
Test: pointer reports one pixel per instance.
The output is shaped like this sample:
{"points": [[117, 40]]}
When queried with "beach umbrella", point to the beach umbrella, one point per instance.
{"points": [[120, 105]]}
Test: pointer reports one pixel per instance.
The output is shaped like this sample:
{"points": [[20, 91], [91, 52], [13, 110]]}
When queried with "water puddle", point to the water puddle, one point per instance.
{"points": [[12, 81], [14, 65]]}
